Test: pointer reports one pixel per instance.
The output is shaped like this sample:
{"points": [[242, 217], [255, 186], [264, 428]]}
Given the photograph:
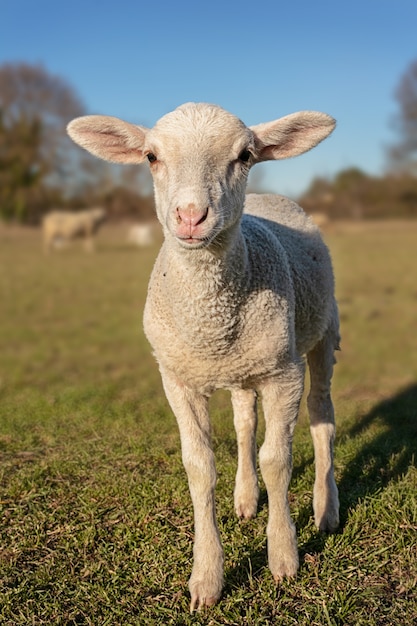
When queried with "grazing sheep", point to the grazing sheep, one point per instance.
{"points": [[241, 291], [141, 235], [60, 227]]}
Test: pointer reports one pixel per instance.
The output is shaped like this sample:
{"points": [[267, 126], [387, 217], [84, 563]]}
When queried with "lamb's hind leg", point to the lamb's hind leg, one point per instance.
{"points": [[89, 243], [322, 427], [245, 420], [281, 400]]}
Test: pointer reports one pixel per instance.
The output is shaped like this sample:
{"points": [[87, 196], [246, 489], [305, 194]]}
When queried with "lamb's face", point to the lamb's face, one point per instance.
{"points": [[200, 157]]}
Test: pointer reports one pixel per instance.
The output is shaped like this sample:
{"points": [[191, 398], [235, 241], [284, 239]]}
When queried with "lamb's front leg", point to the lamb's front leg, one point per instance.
{"points": [[191, 411], [281, 399], [245, 420]]}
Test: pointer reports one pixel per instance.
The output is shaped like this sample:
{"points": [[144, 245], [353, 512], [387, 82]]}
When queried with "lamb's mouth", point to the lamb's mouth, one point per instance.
{"points": [[194, 242], [199, 238]]}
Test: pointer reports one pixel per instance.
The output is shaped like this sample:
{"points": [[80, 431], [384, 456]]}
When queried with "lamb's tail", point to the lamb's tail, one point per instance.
{"points": [[334, 327]]}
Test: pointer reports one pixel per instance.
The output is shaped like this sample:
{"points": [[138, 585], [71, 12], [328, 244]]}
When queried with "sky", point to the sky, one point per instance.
{"points": [[260, 60]]}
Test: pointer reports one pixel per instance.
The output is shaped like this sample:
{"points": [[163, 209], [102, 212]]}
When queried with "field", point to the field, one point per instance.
{"points": [[95, 517]]}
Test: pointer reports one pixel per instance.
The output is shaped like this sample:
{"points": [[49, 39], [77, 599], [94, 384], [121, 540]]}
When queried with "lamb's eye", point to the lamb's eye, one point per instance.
{"points": [[244, 156], [151, 157]]}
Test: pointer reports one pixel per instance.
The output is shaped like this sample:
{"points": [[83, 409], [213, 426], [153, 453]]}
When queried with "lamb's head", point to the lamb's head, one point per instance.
{"points": [[200, 156], [99, 215]]}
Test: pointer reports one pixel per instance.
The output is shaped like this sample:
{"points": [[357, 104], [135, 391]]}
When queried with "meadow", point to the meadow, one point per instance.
{"points": [[95, 516]]}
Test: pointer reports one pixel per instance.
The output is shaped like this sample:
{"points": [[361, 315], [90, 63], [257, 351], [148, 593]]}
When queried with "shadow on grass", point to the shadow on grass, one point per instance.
{"points": [[385, 456], [386, 446]]}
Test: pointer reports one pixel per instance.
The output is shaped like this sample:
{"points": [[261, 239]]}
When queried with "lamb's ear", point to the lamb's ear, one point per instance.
{"points": [[291, 135], [109, 138]]}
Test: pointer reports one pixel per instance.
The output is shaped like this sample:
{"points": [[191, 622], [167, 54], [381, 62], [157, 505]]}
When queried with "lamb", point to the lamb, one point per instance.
{"points": [[241, 294], [141, 235], [60, 227], [320, 219]]}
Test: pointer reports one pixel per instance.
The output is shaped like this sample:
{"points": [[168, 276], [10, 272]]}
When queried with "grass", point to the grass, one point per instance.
{"points": [[95, 517]]}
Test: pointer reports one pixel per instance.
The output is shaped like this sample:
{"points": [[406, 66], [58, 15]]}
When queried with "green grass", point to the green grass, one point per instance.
{"points": [[95, 517]]}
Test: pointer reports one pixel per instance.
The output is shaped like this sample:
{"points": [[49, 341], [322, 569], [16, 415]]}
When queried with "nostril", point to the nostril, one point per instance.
{"points": [[203, 216]]}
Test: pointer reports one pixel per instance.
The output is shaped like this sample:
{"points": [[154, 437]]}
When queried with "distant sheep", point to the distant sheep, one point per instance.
{"points": [[320, 219], [241, 291], [141, 235], [60, 227]]}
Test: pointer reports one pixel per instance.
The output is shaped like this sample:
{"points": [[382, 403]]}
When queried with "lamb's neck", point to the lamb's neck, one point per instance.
{"points": [[205, 293], [212, 269]]}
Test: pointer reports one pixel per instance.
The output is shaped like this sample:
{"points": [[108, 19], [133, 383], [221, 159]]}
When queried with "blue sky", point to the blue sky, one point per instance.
{"points": [[259, 59]]}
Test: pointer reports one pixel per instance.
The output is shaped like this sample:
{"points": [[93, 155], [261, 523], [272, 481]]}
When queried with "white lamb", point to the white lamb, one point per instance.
{"points": [[60, 227], [241, 291]]}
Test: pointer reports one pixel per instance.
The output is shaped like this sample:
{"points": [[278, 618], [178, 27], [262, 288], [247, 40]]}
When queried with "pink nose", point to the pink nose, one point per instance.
{"points": [[191, 216], [190, 221]]}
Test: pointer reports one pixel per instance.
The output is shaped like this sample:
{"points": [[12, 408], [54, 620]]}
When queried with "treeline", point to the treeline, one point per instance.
{"points": [[41, 169], [119, 201], [353, 194]]}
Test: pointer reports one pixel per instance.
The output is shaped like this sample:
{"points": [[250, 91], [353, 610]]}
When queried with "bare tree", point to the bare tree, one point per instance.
{"points": [[28, 93], [40, 166], [36, 155], [403, 154]]}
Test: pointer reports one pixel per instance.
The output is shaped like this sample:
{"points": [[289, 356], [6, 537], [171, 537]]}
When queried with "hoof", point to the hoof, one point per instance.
{"points": [[198, 602], [246, 510], [246, 502]]}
